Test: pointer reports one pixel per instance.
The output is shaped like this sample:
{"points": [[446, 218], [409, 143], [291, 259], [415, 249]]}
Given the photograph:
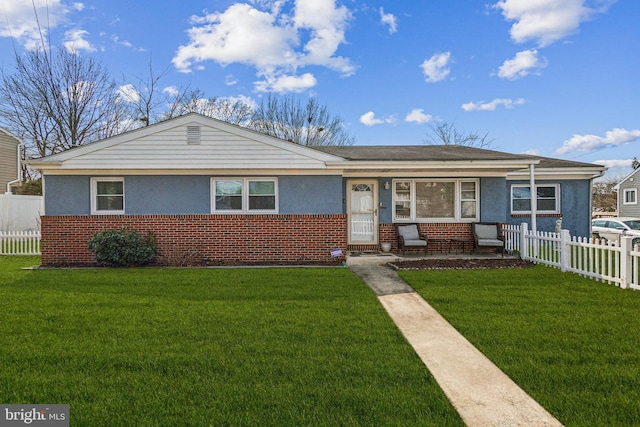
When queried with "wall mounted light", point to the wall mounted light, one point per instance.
{"points": [[387, 185]]}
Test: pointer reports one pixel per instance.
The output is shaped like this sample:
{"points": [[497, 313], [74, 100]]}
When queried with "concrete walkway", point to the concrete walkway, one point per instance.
{"points": [[481, 393]]}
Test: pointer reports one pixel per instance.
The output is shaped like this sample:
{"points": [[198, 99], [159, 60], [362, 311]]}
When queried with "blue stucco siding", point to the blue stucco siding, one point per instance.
{"points": [[492, 202], [167, 195], [311, 194], [67, 195], [575, 208], [174, 195]]}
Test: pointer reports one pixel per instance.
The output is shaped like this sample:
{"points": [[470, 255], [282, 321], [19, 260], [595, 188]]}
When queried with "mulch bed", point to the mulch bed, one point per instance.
{"points": [[460, 264]]}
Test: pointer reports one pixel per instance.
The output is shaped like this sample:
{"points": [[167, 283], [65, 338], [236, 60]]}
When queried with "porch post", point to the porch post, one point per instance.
{"points": [[534, 199]]}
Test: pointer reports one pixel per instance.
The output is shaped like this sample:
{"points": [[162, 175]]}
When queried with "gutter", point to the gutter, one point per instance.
{"points": [[15, 181]]}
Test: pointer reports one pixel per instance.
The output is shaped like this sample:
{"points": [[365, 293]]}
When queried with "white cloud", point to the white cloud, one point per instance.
{"points": [[547, 21], [283, 84], [19, 20], [390, 20], [75, 41], [621, 164], [128, 93], [418, 116], [532, 152], [436, 68], [369, 119], [171, 91], [612, 138], [230, 80], [521, 65], [126, 43], [270, 40], [491, 106], [78, 6]]}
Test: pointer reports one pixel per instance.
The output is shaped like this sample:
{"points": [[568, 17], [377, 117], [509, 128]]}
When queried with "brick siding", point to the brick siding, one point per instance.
{"points": [[229, 239], [204, 239]]}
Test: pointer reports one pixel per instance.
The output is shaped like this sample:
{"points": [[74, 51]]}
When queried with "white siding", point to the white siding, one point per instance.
{"points": [[218, 149]]}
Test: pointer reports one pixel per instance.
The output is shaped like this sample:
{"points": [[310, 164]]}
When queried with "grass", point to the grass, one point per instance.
{"points": [[195, 347], [572, 343]]}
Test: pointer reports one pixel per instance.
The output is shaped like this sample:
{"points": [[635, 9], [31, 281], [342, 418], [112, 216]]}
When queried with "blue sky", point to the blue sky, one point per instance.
{"points": [[557, 78]]}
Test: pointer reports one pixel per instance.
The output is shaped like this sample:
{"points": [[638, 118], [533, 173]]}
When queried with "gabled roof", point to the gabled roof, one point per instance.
{"points": [[631, 175], [164, 146], [219, 147]]}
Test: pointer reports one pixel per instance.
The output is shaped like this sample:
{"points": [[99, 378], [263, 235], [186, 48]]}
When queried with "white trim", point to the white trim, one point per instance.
{"points": [[558, 199], [376, 219], [635, 196], [94, 195], [245, 195], [457, 196]]}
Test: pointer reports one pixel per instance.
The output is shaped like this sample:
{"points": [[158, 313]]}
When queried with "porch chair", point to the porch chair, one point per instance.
{"points": [[409, 236], [487, 234]]}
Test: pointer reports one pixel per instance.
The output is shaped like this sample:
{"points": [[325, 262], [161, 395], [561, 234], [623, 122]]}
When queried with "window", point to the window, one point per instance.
{"points": [[630, 196], [435, 200], [107, 196], [548, 197], [244, 195]]}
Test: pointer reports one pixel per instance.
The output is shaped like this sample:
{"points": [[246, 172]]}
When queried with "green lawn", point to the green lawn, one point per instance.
{"points": [[571, 342], [223, 347]]}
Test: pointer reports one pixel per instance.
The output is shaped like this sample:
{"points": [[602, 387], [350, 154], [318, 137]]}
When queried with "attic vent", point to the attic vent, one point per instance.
{"points": [[193, 134]]}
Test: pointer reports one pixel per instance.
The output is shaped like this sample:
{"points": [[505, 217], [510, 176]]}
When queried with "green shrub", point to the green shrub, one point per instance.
{"points": [[122, 247]]}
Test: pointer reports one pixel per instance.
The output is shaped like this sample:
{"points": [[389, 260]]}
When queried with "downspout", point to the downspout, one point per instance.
{"points": [[15, 181], [534, 199]]}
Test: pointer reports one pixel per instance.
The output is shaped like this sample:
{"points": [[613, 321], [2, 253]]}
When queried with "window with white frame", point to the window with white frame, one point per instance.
{"points": [[630, 196], [107, 196], [426, 200], [244, 195], [547, 198]]}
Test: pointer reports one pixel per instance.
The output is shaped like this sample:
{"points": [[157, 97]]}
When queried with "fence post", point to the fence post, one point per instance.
{"points": [[565, 257], [524, 252], [626, 245]]}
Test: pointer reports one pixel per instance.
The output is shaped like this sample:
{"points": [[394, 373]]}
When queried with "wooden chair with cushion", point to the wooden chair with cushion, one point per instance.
{"points": [[409, 236]]}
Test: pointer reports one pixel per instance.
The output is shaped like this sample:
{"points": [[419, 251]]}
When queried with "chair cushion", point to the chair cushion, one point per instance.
{"points": [[409, 232], [415, 243], [490, 242], [486, 231]]}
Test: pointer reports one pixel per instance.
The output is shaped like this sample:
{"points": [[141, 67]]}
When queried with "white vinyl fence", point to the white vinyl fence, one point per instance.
{"points": [[611, 262], [19, 213], [20, 242]]}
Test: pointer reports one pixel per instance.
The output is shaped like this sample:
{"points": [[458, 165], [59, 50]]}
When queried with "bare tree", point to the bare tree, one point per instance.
{"points": [[236, 111], [310, 125], [55, 102], [145, 98], [605, 197], [445, 133]]}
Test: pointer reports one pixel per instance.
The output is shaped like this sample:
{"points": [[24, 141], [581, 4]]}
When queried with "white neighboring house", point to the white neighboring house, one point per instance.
{"points": [[17, 213], [628, 191]]}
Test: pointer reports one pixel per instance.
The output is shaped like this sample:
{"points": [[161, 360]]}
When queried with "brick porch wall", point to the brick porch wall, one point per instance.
{"points": [[203, 239], [436, 232]]}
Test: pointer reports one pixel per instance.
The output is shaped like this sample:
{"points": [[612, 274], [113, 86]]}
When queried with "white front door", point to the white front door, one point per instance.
{"points": [[363, 212]]}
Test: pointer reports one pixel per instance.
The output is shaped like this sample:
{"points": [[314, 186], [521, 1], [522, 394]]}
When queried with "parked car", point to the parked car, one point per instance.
{"points": [[613, 228]]}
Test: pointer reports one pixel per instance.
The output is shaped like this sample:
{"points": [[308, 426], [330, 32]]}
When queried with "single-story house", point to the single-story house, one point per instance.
{"points": [[627, 189], [9, 160], [216, 193]]}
